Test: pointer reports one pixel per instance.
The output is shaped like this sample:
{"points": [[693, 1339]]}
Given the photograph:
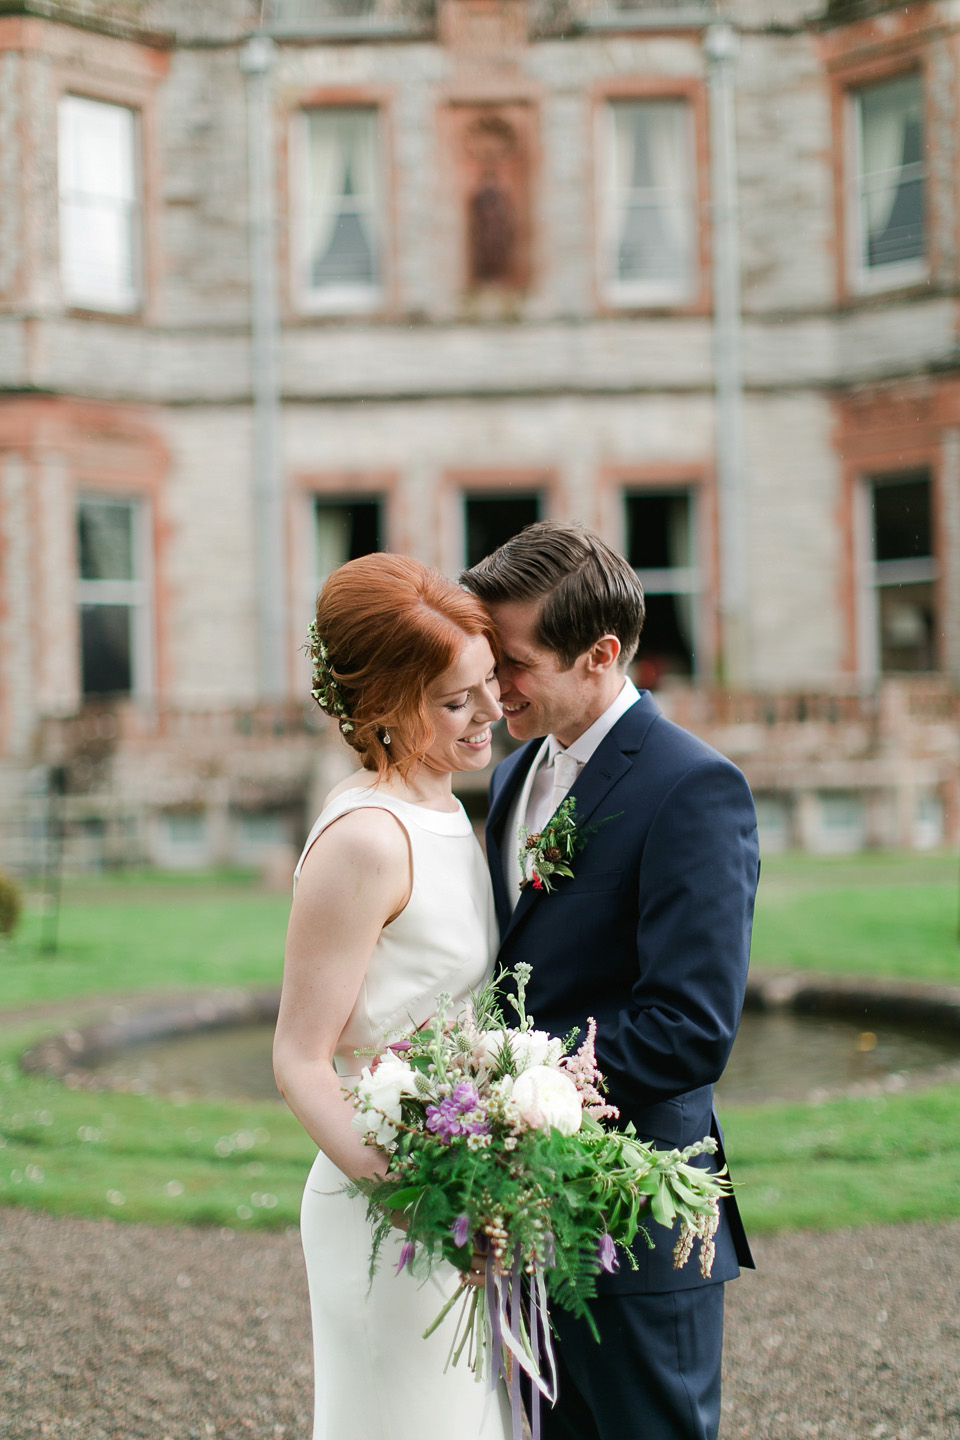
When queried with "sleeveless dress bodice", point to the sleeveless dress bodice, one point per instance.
{"points": [[444, 939], [375, 1377]]}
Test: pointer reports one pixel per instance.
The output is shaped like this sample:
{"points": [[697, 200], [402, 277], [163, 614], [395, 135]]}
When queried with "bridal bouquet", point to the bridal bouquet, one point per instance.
{"points": [[495, 1139]]}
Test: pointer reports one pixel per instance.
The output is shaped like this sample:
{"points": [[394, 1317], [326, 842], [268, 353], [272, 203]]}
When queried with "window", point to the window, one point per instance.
{"points": [[887, 211], [112, 591], [340, 242], [99, 205], [661, 548], [490, 519], [343, 530], [902, 573], [181, 840], [843, 823], [774, 822], [648, 202]]}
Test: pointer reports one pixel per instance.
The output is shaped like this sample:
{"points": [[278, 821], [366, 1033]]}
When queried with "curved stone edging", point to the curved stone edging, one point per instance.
{"points": [[66, 1054], [853, 997]]}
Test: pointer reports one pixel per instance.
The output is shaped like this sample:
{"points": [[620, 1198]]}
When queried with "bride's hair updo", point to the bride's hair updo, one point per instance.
{"points": [[389, 627]]}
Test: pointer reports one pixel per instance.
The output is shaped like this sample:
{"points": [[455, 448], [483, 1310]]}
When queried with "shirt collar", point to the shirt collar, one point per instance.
{"points": [[584, 746]]}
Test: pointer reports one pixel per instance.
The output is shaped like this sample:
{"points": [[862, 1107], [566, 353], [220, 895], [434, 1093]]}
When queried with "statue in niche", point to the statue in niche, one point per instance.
{"points": [[492, 223]]}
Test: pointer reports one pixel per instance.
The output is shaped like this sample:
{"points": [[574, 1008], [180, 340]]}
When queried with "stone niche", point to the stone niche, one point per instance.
{"points": [[491, 149]]}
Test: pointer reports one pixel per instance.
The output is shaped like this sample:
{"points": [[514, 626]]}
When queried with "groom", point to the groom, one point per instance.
{"points": [[651, 936]]}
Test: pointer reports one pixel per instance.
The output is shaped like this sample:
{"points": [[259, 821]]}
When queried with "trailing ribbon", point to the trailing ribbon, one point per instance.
{"points": [[513, 1347]]}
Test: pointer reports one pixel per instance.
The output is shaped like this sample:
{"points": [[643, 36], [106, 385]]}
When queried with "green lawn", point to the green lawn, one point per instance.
{"points": [[889, 915], [141, 1157], [845, 1162], [143, 933]]}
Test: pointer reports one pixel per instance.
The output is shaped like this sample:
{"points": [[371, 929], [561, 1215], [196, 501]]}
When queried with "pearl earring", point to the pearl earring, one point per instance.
{"points": [[386, 737]]}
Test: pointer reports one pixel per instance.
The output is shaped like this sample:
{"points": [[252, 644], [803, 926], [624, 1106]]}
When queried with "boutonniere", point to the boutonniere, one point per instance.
{"points": [[548, 854]]}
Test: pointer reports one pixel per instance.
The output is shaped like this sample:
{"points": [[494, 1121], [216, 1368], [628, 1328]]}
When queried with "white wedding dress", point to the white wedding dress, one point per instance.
{"points": [[375, 1377]]}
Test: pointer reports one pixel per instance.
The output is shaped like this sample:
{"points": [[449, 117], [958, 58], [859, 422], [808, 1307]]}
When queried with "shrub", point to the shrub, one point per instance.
{"points": [[10, 905]]}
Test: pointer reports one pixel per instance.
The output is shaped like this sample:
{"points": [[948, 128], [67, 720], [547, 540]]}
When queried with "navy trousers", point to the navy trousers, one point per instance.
{"points": [[654, 1376]]}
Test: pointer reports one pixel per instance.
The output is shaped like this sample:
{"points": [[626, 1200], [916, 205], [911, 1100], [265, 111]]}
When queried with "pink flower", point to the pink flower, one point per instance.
{"points": [[407, 1253], [581, 1066], [461, 1230]]}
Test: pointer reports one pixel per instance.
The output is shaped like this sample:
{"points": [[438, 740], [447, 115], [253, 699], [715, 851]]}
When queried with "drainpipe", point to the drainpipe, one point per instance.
{"points": [[721, 46], [256, 60]]}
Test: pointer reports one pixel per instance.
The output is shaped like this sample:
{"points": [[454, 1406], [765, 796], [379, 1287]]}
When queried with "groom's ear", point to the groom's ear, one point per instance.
{"points": [[602, 655]]}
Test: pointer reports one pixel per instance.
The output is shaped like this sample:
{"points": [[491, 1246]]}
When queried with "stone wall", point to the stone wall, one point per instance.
{"points": [[445, 386]]}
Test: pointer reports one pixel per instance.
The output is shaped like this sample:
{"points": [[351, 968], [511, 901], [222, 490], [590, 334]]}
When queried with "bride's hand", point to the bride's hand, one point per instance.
{"points": [[476, 1276]]}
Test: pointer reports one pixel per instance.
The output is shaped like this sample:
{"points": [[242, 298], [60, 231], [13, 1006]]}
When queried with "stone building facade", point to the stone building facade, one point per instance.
{"points": [[282, 283]]}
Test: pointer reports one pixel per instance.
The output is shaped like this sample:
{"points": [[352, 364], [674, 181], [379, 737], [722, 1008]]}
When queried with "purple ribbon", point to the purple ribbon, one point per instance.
{"points": [[516, 1406], [535, 1318], [504, 1296], [496, 1339]]}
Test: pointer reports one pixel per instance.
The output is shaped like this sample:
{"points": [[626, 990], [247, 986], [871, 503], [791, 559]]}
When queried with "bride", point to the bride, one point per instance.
{"points": [[392, 905]]}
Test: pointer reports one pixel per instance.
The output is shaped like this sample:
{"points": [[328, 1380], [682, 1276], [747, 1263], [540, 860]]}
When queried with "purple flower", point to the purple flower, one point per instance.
{"points": [[444, 1121], [607, 1255], [461, 1230], [458, 1114], [407, 1253]]}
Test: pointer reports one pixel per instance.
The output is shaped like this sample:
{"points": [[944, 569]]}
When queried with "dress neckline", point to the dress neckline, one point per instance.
{"points": [[440, 822]]}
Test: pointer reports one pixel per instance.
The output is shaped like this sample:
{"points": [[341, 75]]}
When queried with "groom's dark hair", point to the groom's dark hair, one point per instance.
{"points": [[584, 587]]}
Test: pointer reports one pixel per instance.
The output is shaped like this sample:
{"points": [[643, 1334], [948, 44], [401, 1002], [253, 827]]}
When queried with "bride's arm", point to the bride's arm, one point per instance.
{"points": [[356, 877]]}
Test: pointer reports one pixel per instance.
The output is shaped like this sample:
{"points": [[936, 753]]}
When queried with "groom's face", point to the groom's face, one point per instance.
{"points": [[538, 697]]}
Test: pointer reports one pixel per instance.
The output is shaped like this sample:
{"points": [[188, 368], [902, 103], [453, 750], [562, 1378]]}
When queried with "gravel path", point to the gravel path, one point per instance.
{"points": [[125, 1332]]}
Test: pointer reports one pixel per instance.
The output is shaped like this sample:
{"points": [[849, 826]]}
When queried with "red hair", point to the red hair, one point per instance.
{"points": [[392, 626]]}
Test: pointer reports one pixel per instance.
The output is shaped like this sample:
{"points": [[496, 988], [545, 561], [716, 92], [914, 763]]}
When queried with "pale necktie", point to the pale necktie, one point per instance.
{"points": [[565, 771]]}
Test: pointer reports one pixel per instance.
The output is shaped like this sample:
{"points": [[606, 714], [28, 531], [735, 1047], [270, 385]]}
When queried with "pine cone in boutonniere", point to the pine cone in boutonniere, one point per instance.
{"points": [[548, 854]]}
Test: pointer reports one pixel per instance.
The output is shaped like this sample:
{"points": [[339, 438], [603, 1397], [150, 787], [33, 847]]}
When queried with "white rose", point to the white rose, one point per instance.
{"points": [[381, 1090], [534, 1047], [547, 1099]]}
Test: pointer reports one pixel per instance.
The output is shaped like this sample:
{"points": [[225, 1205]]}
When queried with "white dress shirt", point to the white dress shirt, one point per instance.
{"points": [[539, 796]]}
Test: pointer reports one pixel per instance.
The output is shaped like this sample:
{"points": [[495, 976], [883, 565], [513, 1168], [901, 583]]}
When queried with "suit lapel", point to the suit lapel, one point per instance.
{"points": [[517, 768], [591, 785], [611, 760]]}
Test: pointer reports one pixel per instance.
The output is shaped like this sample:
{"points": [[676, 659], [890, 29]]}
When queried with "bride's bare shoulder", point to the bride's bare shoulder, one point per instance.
{"points": [[359, 780], [369, 839]]}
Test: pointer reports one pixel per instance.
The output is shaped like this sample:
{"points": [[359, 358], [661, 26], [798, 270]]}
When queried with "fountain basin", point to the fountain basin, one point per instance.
{"points": [[802, 1037]]}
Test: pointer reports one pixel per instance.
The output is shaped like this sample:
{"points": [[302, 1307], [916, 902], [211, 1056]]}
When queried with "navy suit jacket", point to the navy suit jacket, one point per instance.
{"points": [[651, 936]]}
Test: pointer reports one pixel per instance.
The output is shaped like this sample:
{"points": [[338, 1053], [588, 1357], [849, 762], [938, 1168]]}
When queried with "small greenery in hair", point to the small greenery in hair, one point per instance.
{"points": [[326, 687]]}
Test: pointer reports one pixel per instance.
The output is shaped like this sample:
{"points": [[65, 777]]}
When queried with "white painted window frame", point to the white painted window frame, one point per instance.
{"points": [[873, 575], [678, 579], [136, 594], [873, 279], [128, 300], [649, 293], [334, 299], [336, 499]]}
